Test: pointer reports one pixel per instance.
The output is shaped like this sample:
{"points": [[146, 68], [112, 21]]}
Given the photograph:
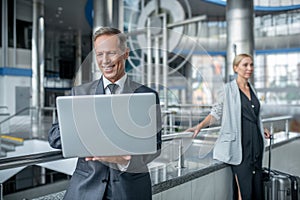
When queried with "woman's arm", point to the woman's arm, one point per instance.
{"points": [[209, 120]]}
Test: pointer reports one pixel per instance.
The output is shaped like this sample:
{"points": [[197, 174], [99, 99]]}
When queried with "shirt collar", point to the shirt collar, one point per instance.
{"points": [[120, 82]]}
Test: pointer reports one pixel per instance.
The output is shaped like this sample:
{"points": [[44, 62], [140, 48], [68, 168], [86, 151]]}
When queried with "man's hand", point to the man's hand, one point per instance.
{"points": [[122, 160]]}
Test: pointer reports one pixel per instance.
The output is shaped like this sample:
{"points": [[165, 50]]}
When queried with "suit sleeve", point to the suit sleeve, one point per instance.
{"points": [[54, 134]]}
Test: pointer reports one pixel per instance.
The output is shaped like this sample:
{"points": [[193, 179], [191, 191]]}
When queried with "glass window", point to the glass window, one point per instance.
{"points": [[24, 34], [1, 23], [277, 77], [10, 22]]}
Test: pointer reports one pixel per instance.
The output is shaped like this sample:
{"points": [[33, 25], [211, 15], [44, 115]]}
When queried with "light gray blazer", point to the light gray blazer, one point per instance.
{"points": [[228, 147]]}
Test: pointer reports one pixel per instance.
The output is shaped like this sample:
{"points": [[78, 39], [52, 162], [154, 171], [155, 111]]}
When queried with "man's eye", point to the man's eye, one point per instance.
{"points": [[112, 53], [100, 54]]}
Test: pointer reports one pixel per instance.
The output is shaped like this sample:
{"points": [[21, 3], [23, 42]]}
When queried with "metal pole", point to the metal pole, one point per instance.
{"points": [[101, 18], [14, 36], [37, 64], [1, 191], [165, 60], [149, 54], [240, 35], [287, 127], [157, 68], [41, 48], [4, 33], [180, 163], [78, 58]]}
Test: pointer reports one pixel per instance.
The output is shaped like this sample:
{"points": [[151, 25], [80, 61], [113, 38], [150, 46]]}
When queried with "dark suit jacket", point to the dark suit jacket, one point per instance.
{"points": [[90, 178]]}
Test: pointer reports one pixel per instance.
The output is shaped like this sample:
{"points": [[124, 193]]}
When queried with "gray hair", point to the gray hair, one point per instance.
{"points": [[112, 31]]}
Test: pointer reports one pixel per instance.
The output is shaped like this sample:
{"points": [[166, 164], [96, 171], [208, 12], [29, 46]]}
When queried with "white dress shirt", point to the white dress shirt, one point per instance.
{"points": [[119, 90]]}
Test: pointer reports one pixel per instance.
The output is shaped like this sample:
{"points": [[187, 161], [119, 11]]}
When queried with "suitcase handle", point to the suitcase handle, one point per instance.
{"points": [[270, 148]]}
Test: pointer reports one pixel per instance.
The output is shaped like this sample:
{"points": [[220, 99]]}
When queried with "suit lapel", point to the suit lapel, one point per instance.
{"points": [[99, 87], [128, 87]]}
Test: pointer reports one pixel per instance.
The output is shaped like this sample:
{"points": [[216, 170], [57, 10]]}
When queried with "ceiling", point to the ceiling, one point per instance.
{"points": [[66, 16], [73, 15], [70, 15]]}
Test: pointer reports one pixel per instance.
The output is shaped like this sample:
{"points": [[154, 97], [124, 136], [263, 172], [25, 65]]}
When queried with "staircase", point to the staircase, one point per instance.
{"points": [[8, 143]]}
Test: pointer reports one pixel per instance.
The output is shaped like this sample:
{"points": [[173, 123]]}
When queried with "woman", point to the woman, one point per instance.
{"points": [[241, 141]]}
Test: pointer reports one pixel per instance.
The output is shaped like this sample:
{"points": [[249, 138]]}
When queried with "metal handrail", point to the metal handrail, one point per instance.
{"points": [[19, 161], [187, 134], [6, 163], [273, 119], [28, 108], [17, 113], [180, 136]]}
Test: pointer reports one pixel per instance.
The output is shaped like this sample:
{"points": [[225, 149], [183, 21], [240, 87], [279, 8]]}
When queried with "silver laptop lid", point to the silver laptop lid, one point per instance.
{"points": [[106, 125]]}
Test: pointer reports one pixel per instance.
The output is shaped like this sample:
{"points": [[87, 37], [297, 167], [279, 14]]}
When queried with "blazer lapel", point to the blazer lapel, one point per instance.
{"points": [[128, 87], [100, 88]]}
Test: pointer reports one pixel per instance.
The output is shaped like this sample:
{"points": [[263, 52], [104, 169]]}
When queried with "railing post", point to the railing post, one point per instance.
{"points": [[180, 163], [271, 131], [190, 119], [1, 191], [287, 127], [53, 116]]}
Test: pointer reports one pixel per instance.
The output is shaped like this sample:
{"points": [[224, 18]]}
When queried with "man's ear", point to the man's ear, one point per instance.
{"points": [[126, 54]]}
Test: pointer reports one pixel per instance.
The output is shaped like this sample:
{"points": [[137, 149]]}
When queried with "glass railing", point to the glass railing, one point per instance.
{"points": [[180, 150]]}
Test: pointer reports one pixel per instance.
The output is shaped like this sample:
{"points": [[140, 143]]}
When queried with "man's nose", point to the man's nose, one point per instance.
{"points": [[106, 58]]}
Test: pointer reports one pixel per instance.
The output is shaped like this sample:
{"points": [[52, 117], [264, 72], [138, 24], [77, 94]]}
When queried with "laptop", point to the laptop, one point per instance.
{"points": [[107, 125]]}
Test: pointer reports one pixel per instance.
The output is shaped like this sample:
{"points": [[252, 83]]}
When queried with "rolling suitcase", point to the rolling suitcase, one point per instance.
{"points": [[276, 186], [295, 182], [280, 185]]}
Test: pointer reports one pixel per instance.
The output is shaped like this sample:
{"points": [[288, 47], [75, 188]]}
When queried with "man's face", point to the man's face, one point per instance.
{"points": [[110, 58]]}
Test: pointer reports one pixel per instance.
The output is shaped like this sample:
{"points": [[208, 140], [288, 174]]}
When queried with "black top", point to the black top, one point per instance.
{"points": [[252, 142]]}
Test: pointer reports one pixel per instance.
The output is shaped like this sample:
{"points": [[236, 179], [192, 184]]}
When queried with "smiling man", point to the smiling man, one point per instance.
{"points": [[111, 177]]}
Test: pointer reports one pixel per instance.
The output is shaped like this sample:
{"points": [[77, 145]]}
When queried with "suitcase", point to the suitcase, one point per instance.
{"points": [[295, 182], [279, 185], [276, 185]]}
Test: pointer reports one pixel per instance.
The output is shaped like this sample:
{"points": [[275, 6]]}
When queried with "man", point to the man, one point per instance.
{"points": [[111, 177]]}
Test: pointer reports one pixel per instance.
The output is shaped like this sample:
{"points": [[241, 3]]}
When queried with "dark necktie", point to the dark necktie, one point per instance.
{"points": [[112, 88]]}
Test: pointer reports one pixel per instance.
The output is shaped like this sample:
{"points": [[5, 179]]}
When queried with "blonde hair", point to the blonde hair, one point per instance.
{"points": [[238, 58]]}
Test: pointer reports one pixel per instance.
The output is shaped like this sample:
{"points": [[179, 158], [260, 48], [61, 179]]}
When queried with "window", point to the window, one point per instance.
{"points": [[24, 34]]}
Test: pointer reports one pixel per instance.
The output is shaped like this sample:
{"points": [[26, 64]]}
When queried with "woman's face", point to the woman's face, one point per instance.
{"points": [[245, 68]]}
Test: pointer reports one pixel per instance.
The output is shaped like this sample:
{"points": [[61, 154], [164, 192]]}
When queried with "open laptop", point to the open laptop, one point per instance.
{"points": [[107, 125]]}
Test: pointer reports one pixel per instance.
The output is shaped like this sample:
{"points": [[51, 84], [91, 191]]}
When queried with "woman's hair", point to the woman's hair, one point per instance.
{"points": [[112, 31], [238, 58]]}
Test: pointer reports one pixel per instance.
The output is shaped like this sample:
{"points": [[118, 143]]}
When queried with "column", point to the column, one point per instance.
{"points": [[78, 75], [101, 14], [37, 62], [240, 34], [4, 38]]}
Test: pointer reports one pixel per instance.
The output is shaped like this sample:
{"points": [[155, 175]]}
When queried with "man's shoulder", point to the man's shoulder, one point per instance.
{"points": [[88, 84], [138, 87], [85, 87]]}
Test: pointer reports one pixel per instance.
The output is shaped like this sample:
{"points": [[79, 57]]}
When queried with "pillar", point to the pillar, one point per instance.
{"points": [[240, 34], [38, 59]]}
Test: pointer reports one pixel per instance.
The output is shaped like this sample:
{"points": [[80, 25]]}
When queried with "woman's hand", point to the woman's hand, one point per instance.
{"points": [[267, 133], [195, 130]]}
